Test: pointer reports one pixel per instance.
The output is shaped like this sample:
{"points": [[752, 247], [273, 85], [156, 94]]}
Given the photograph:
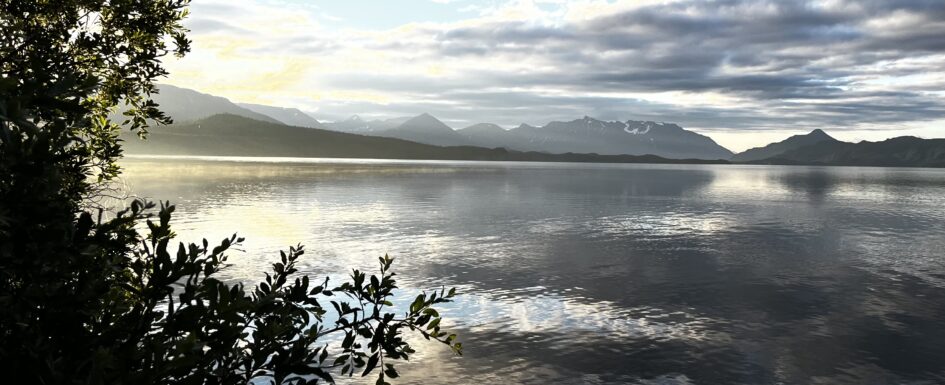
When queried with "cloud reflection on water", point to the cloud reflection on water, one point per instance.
{"points": [[614, 273]]}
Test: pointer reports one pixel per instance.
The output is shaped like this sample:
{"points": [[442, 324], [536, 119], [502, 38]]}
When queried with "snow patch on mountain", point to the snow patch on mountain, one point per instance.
{"points": [[637, 131]]}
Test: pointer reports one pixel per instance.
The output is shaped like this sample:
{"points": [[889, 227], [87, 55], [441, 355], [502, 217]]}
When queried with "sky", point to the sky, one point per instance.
{"points": [[743, 72]]}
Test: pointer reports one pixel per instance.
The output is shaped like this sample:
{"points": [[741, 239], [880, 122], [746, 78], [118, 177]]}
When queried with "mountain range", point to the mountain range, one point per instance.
{"points": [[586, 135], [589, 135], [233, 135], [587, 138]]}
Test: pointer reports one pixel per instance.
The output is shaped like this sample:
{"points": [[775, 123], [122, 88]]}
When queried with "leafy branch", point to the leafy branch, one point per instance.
{"points": [[275, 331]]}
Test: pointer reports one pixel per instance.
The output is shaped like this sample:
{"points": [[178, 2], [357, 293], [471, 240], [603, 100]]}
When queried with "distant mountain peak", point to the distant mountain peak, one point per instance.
{"points": [[490, 126], [588, 119], [483, 129], [354, 118], [426, 117], [819, 133], [426, 120], [426, 128], [775, 149]]}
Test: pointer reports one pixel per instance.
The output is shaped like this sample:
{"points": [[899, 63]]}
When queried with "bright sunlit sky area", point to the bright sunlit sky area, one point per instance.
{"points": [[743, 72]]}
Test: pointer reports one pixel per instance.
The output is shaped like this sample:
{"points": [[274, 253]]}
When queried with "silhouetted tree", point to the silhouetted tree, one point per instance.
{"points": [[85, 297]]}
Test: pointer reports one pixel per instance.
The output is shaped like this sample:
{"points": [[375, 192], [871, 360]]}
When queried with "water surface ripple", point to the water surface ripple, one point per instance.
{"points": [[582, 273]]}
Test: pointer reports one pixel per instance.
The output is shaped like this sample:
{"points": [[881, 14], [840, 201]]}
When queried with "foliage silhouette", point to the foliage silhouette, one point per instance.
{"points": [[88, 297]]}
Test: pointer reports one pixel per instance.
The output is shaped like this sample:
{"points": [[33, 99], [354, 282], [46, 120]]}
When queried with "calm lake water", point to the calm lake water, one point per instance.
{"points": [[587, 273]]}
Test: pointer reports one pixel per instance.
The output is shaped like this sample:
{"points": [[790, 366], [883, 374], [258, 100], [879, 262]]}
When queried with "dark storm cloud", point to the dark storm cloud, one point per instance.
{"points": [[807, 60]]}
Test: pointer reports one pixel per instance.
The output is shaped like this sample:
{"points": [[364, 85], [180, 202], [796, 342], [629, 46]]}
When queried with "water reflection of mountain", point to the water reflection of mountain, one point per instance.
{"points": [[825, 178], [171, 178], [814, 183]]}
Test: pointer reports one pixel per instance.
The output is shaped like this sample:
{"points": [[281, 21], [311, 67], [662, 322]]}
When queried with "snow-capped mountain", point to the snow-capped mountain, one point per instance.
{"points": [[586, 135], [589, 135], [357, 125]]}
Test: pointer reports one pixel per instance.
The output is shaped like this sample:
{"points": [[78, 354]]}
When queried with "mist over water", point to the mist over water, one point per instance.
{"points": [[586, 273]]}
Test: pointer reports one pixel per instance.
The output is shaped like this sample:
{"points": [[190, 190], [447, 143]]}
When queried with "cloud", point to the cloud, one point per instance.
{"points": [[716, 66]]}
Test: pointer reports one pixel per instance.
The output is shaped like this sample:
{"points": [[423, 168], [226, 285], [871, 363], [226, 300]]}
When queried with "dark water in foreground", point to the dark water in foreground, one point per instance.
{"points": [[580, 273]]}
